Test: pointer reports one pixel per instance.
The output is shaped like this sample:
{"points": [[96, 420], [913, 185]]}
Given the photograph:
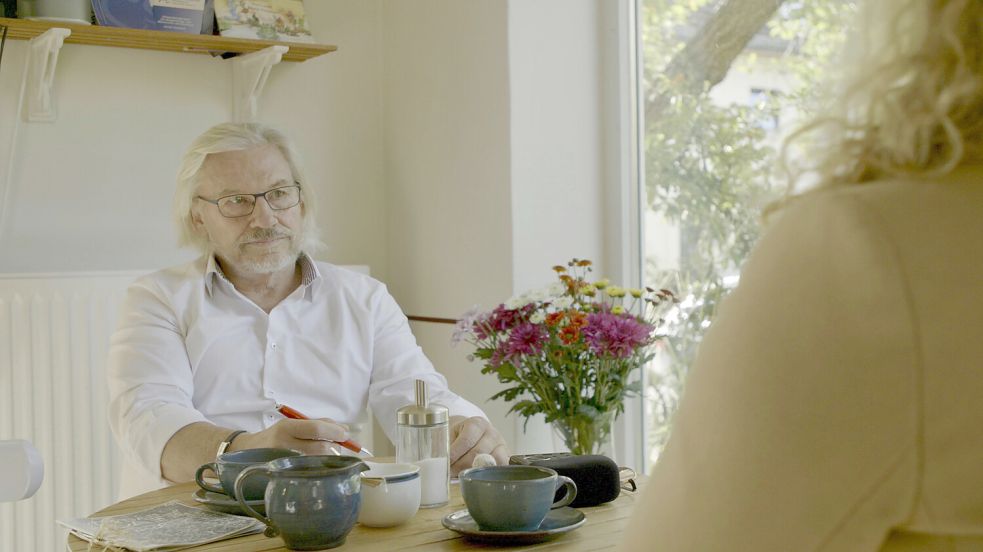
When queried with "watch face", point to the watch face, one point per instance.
{"points": [[224, 445]]}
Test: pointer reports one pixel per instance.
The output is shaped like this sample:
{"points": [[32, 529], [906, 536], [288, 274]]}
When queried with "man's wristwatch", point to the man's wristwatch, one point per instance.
{"points": [[224, 445]]}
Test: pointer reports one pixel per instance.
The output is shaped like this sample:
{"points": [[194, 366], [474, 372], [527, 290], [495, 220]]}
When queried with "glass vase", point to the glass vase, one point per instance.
{"points": [[586, 435]]}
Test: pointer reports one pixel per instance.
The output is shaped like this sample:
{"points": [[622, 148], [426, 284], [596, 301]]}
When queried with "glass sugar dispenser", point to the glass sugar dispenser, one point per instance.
{"points": [[423, 438]]}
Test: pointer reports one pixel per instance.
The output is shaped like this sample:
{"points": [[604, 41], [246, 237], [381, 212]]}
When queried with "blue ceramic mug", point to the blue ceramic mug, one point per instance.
{"points": [[229, 465], [312, 502], [513, 498]]}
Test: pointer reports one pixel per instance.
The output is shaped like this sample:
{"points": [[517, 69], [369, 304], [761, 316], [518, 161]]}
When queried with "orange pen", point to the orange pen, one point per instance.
{"points": [[296, 415]]}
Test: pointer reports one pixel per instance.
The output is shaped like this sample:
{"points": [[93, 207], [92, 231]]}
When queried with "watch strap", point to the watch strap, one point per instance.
{"points": [[224, 445]]}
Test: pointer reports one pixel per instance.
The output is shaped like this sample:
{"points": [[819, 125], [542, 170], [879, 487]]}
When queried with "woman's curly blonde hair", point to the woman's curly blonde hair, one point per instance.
{"points": [[910, 103]]}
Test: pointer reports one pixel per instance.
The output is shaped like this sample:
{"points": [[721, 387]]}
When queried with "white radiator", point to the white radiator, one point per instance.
{"points": [[54, 336]]}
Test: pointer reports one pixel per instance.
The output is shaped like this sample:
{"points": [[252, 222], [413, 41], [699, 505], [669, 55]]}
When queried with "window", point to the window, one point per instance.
{"points": [[722, 81]]}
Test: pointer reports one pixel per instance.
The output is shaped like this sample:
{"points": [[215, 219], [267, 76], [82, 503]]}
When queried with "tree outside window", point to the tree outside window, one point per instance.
{"points": [[723, 81]]}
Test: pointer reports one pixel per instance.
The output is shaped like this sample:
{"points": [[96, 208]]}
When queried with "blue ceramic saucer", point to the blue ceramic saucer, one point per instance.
{"points": [[557, 522], [226, 504]]}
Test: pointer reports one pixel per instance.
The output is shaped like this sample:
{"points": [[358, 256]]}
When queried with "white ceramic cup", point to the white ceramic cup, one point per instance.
{"points": [[390, 494]]}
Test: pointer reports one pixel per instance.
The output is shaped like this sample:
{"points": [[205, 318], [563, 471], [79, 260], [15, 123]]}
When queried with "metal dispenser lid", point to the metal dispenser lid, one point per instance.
{"points": [[423, 413]]}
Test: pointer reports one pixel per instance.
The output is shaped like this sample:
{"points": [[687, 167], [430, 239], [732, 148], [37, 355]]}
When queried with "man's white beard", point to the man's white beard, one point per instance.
{"points": [[273, 262]]}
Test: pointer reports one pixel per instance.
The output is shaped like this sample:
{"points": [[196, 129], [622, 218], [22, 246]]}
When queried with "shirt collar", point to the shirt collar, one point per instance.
{"points": [[212, 272], [309, 273]]}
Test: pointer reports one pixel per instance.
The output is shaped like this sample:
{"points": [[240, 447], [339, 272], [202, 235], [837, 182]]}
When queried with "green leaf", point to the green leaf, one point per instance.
{"points": [[507, 394], [525, 408], [506, 372]]}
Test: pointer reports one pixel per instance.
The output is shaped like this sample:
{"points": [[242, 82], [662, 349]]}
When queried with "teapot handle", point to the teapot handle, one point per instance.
{"points": [[271, 530]]}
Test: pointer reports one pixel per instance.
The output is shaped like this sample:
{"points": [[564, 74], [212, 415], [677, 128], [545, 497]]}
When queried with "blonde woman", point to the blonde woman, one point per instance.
{"points": [[837, 401]]}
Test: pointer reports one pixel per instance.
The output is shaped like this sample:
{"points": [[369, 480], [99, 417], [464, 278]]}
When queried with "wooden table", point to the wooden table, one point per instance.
{"points": [[424, 532]]}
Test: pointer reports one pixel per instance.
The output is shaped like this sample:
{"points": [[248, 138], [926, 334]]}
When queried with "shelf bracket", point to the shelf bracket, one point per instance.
{"points": [[249, 74], [42, 59]]}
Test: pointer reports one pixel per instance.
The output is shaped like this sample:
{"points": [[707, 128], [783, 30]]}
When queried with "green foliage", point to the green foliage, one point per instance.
{"points": [[709, 164]]}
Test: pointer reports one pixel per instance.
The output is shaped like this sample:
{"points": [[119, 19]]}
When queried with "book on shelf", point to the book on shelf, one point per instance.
{"points": [[181, 16], [280, 20], [8, 8], [163, 528]]}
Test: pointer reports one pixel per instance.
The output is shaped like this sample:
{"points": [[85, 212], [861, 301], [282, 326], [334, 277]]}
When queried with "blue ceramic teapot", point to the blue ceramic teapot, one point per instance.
{"points": [[312, 502]]}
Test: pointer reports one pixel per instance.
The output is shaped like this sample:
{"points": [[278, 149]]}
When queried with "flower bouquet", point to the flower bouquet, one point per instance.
{"points": [[568, 351]]}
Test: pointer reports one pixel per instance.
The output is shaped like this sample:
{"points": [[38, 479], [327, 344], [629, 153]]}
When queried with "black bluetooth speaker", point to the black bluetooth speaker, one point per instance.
{"points": [[597, 477]]}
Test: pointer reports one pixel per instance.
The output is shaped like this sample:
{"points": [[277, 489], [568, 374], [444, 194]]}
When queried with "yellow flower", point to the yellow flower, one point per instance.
{"points": [[615, 291], [589, 290], [617, 309], [602, 283], [636, 293]]}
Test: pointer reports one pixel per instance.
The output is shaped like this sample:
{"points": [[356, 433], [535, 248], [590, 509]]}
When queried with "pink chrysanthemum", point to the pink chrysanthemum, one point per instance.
{"points": [[615, 335], [500, 320], [526, 339]]}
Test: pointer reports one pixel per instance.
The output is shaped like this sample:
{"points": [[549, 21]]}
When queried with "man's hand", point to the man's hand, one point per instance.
{"points": [[306, 436], [195, 444], [471, 437]]}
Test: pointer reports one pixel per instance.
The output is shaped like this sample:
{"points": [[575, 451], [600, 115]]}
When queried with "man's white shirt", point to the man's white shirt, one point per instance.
{"points": [[190, 348]]}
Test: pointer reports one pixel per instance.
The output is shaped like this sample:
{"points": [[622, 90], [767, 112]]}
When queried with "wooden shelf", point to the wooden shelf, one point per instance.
{"points": [[22, 29]]}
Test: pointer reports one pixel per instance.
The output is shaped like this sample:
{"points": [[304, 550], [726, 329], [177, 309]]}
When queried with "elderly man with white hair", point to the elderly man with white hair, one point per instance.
{"points": [[206, 351]]}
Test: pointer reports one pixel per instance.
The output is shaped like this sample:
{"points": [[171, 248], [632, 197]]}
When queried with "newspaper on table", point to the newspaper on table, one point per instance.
{"points": [[169, 526]]}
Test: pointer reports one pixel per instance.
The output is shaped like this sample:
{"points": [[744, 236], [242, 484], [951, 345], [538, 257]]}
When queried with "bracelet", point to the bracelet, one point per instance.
{"points": [[224, 445]]}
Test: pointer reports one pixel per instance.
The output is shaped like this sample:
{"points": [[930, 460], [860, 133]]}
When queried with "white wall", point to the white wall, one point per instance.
{"points": [[557, 163], [92, 190], [446, 150], [493, 124], [447, 168]]}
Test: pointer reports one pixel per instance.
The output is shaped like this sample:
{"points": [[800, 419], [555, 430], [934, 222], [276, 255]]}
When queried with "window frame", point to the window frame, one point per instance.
{"points": [[622, 154]]}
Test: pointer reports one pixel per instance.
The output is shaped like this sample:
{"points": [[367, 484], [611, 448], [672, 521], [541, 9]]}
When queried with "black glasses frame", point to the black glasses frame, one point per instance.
{"points": [[256, 197]]}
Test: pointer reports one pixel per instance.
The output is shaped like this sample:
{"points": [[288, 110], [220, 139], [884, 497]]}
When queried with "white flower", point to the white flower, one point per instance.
{"points": [[462, 329], [538, 295], [563, 302], [538, 317], [516, 302], [557, 289]]}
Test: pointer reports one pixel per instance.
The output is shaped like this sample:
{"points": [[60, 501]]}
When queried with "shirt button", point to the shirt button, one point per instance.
{"points": [[273, 346]]}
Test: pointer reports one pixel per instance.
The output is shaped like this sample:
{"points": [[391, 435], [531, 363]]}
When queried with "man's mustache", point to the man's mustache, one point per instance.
{"points": [[263, 234]]}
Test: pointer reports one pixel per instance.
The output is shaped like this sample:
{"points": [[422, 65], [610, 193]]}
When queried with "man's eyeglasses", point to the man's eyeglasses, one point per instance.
{"points": [[240, 205]]}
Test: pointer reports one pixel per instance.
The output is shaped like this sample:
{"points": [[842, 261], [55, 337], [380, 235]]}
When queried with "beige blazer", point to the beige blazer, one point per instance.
{"points": [[837, 400]]}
